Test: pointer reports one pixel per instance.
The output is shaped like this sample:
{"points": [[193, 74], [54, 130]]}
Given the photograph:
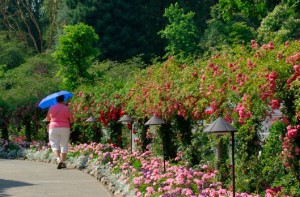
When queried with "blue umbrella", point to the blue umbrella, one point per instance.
{"points": [[51, 99]]}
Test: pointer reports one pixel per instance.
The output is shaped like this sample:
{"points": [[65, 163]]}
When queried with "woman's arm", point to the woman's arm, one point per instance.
{"points": [[48, 116], [71, 118]]}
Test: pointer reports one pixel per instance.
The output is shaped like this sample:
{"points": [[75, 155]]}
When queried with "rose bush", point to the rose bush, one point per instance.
{"points": [[244, 86]]}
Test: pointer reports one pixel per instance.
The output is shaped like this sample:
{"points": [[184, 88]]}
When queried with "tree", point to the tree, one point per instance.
{"points": [[201, 9], [225, 33], [181, 33], [51, 22], [32, 21], [255, 10], [75, 53], [280, 25], [12, 52], [24, 19], [18, 102], [127, 28]]}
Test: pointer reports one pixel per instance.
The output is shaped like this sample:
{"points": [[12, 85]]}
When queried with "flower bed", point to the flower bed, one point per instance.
{"points": [[125, 174]]}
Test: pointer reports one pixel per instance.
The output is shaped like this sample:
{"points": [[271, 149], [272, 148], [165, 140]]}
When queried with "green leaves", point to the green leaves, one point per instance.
{"points": [[181, 33], [280, 25], [75, 54], [249, 8]]}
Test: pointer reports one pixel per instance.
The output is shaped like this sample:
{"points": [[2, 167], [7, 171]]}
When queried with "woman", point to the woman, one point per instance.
{"points": [[60, 118]]}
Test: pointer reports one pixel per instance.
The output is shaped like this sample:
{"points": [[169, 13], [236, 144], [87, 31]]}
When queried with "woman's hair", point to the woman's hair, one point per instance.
{"points": [[60, 98]]}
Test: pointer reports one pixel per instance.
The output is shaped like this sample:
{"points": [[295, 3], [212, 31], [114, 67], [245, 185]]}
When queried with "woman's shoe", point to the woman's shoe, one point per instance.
{"points": [[64, 165], [60, 165]]}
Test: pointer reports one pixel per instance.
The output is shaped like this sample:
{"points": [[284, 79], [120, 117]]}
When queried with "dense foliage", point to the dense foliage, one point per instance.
{"points": [[74, 54], [242, 65], [181, 33]]}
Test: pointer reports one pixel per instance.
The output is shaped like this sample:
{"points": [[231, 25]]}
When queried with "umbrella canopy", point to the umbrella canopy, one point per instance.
{"points": [[220, 126], [154, 120], [51, 99]]}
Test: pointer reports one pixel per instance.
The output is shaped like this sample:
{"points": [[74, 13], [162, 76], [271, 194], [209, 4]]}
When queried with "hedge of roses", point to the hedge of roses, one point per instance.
{"points": [[244, 86]]}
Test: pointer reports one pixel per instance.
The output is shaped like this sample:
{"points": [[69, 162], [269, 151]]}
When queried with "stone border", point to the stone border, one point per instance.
{"points": [[100, 172]]}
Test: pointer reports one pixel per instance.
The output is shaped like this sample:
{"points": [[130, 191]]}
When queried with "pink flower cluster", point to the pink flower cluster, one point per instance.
{"points": [[292, 132], [275, 104], [145, 173], [216, 69], [241, 109], [241, 78], [212, 108], [250, 64], [295, 61], [267, 90], [254, 44], [269, 46], [274, 192], [290, 149], [18, 139]]}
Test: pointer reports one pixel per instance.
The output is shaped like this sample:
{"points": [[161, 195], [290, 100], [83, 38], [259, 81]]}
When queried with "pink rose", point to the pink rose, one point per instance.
{"points": [[292, 133]]}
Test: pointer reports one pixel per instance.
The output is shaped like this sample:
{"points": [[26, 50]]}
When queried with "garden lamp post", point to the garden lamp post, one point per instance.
{"points": [[92, 119], [154, 120], [221, 126], [47, 129], [128, 120]]}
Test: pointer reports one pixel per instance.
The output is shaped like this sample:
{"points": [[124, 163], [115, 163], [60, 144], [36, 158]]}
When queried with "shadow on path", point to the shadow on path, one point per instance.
{"points": [[5, 184]]}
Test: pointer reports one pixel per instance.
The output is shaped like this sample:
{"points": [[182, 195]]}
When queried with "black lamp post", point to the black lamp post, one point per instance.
{"points": [[128, 120], [92, 119], [221, 126], [47, 129], [154, 120]]}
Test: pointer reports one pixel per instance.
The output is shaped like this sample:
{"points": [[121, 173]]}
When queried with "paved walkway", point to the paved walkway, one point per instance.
{"points": [[36, 179]]}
